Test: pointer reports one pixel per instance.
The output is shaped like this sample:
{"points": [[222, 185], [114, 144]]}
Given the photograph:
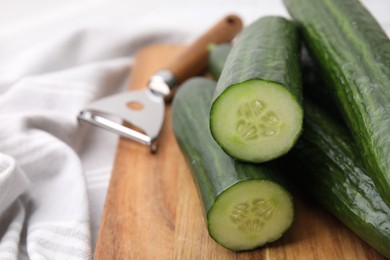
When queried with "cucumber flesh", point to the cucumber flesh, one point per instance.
{"points": [[249, 214], [255, 120]]}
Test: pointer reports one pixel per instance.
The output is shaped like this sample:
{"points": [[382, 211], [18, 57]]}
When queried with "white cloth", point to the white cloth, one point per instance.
{"points": [[56, 57]]}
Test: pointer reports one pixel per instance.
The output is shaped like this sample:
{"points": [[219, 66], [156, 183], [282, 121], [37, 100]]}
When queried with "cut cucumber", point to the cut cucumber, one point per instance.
{"points": [[353, 53], [256, 114], [246, 205], [249, 214]]}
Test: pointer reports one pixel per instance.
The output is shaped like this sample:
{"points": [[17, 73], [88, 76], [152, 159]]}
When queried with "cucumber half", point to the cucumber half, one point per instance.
{"points": [[257, 114], [246, 205], [249, 214]]}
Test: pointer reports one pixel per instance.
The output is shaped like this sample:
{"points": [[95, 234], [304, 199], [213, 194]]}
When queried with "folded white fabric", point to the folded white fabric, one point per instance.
{"points": [[54, 59], [44, 212], [50, 220]]}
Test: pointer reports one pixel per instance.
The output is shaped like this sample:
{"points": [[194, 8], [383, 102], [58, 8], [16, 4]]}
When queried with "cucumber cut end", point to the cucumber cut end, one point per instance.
{"points": [[250, 214], [256, 120]]}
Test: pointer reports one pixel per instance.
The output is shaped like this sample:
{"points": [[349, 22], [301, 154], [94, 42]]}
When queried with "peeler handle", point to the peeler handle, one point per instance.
{"points": [[193, 60]]}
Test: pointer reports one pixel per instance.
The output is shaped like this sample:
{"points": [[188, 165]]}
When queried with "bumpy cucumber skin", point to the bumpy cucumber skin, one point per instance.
{"points": [[330, 169], [353, 53], [268, 50], [213, 171]]}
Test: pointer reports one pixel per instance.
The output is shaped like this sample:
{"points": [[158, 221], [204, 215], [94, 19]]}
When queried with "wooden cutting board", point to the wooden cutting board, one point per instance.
{"points": [[152, 209]]}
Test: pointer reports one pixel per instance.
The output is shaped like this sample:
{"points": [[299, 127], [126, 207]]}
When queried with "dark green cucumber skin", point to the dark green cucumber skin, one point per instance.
{"points": [[329, 168], [268, 49], [313, 84], [353, 53], [212, 169]]}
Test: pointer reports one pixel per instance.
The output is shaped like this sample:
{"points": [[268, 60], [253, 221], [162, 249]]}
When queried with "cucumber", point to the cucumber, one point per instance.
{"points": [[245, 205], [353, 54], [329, 168], [256, 114]]}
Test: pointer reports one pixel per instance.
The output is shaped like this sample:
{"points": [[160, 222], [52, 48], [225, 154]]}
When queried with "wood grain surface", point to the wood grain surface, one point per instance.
{"points": [[152, 209]]}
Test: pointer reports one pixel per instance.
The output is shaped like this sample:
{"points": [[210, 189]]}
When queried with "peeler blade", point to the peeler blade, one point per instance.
{"points": [[142, 108]]}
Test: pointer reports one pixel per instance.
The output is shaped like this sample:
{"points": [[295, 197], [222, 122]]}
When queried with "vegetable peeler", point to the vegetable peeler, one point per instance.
{"points": [[143, 110]]}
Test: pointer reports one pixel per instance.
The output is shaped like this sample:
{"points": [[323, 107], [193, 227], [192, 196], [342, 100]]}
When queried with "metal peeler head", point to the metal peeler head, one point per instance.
{"points": [[142, 111]]}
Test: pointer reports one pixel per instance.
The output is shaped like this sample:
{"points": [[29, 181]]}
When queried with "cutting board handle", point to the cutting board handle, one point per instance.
{"points": [[193, 60]]}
